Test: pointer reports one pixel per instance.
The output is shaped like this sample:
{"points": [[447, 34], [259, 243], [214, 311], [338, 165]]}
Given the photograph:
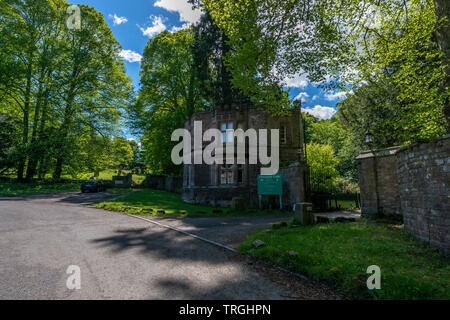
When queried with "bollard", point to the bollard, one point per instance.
{"points": [[303, 214]]}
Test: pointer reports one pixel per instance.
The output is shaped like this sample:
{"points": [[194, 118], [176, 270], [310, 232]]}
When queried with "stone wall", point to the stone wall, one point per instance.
{"points": [[294, 184], [171, 184], [424, 188], [414, 182], [378, 182], [122, 181]]}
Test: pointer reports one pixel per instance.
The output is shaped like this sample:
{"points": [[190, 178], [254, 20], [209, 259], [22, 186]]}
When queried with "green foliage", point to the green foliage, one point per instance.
{"points": [[352, 41], [270, 44], [121, 153], [63, 86], [170, 94], [378, 109], [328, 132], [341, 253], [322, 162], [9, 139], [209, 50]]}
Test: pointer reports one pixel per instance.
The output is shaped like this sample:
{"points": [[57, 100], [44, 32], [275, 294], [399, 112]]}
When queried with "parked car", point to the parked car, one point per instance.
{"points": [[93, 186]]}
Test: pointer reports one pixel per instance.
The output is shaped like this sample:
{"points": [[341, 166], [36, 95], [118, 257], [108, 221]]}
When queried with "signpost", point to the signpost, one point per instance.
{"points": [[270, 185]]}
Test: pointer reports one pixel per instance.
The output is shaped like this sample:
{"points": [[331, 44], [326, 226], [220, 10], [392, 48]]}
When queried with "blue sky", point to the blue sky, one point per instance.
{"points": [[134, 22]]}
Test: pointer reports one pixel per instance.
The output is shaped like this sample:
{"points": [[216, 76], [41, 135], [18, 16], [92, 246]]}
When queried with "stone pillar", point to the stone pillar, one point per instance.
{"points": [[378, 182]]}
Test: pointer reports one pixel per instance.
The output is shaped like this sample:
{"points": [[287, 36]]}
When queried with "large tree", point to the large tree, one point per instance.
{"points": [[62, 83], [169, 95], [347, 42]]}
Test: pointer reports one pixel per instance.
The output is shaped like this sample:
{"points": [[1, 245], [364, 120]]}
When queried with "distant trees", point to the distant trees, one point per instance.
{"points": [[322, 163], [64, 85]]}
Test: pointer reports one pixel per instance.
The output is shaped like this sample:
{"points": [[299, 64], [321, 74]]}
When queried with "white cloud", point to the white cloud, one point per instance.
{"points": [[299, 81], [130, 56], [176, 29], [302, 96], [182, 7], [321, 112], [337, 95], [118, 20], [158, 26], [315, 98], [138, 143]]}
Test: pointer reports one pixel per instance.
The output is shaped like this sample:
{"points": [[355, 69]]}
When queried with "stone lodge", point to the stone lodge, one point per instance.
{"points": [[220, 184]]}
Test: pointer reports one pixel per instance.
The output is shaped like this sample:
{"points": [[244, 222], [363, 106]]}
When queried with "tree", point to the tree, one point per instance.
{"points": [[97, 155], [137, 165], [209, 49], [442, 36], [121, 154], [345, 146], [322, 162], [328, 132], [376, 108], [273, 41], [23, 26], [96, 85], [170, 94], [351, 41], [63, 84], [9, 140]]}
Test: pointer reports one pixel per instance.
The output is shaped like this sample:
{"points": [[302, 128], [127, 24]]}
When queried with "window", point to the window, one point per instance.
{"points": [[227, 132], [283, 135], [226, 174]]}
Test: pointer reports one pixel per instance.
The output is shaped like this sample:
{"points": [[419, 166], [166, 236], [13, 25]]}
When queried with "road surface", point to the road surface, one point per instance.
{"points": [[124, 258]]}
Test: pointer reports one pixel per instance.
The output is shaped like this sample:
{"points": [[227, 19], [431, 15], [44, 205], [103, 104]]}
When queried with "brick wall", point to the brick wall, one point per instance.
{"points": [[413, 181]]}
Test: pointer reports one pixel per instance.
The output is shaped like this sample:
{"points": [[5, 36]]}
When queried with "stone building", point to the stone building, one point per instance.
{"points": [[220, 184]]}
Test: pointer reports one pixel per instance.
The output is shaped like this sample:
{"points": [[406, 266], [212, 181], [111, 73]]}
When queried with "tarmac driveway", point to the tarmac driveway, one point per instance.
{"points": [[125, 258]]}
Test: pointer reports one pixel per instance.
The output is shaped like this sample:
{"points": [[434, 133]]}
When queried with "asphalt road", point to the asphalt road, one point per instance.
{"points": [[125, 258]]}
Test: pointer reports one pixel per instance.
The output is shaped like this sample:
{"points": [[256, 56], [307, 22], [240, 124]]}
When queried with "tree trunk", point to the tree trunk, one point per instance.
{"points": [[26, 115], [442, 10], [34, 154], [64, 131]]}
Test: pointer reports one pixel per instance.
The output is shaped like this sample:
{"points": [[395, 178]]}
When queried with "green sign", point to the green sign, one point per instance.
{"points": [[270, 185]]}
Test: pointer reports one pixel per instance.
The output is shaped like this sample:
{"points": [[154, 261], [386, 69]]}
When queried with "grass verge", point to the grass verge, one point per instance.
{"points": [[21, 189], [341, 253], [148, 202]]}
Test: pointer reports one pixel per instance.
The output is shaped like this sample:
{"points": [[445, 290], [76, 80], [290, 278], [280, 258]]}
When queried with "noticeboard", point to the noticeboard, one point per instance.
{"points": [[270, 185]]}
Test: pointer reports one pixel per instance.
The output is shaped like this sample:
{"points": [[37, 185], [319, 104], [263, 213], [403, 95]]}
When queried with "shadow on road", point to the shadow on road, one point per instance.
{"points": [[164, 243], [204, 271]]}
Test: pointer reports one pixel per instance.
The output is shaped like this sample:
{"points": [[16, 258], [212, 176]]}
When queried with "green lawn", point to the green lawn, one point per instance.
{"points": [[173, 206], [9, 187], [341, 253], [19, 189], [104, 175]]}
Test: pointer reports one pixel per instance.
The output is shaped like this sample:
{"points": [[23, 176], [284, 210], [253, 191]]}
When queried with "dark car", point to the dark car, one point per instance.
{"points": [[92, 186]]}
